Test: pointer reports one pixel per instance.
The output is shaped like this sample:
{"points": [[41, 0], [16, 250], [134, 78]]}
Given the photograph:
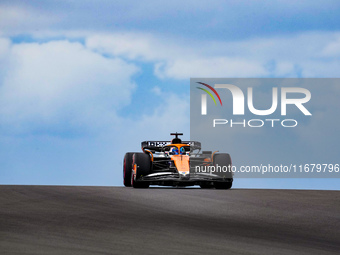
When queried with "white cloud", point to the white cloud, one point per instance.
{"points": [[136, 46], [173, 59], [157, 90], [171, 116], [62, 83], [305, 54], [210, 67]]}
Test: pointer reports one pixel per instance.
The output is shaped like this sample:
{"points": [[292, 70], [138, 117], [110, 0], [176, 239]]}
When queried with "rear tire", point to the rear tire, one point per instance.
{"points": [[142, 163], [127, 168], [223, 160]]}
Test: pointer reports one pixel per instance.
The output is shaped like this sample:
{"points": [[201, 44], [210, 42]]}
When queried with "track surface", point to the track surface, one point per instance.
{"points": [[116, 220]]}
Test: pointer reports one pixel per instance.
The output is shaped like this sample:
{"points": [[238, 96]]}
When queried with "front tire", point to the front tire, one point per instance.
{"points": [[141, 166], [127, 168], [223, 160]]}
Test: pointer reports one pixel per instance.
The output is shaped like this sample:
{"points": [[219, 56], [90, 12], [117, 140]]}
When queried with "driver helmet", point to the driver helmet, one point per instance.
{"points": [[182, 150], [174, 151]]}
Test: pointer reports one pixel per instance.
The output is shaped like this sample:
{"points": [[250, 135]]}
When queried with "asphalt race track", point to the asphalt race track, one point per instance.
{"points": [[117, 220]]}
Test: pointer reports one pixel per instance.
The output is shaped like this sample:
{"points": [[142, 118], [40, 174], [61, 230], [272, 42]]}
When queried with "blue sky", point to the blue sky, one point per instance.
{"points": [[82, 82]]}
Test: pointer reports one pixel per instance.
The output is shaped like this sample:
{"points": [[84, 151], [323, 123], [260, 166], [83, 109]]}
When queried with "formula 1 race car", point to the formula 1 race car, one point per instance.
{"points": [[177, 163]]}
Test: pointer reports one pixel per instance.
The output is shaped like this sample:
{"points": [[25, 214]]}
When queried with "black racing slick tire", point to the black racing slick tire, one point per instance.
{"points": [[223, 160], [127, 168], [141, 166]]}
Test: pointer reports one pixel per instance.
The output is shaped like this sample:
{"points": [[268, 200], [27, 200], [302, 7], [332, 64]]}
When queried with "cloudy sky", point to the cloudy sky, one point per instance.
{"points": [[82, 82]]}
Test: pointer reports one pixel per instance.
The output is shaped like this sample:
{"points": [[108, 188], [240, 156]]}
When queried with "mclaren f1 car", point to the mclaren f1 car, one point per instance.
{"points": [[176, 163]]}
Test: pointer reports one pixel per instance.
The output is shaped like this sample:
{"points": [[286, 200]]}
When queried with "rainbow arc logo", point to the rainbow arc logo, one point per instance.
{"points": [[209, 93], [204, 97]]}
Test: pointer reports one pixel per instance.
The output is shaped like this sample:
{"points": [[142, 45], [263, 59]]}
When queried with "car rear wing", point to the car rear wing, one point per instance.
{"points": [[159, 145]]}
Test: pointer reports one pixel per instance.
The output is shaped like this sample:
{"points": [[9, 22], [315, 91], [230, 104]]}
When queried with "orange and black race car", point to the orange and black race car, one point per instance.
{"points": [[177, 163]]}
